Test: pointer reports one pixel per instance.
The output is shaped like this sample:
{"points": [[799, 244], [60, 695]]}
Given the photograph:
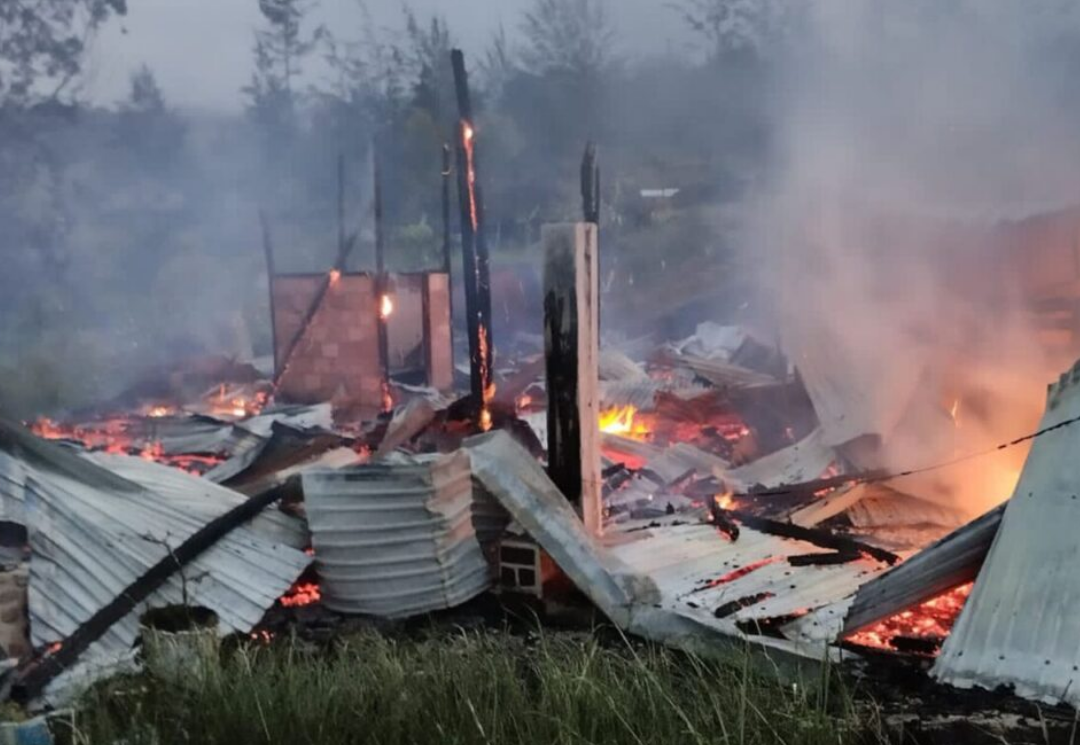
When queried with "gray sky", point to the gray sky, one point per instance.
{"points": [[200, 50]]}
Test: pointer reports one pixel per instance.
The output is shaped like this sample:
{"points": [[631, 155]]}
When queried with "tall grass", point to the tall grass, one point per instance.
{"points": [[470, 688]]}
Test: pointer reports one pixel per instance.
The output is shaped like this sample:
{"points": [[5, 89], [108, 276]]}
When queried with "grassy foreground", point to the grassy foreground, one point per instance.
{"points": [[470, 688]]}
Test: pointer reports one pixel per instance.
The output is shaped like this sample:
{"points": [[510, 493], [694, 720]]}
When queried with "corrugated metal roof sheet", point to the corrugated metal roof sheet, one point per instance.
{"points": [[1021, 623], [88, 545], [93, 532], [690, 564], [666, 579], [395, 539]]}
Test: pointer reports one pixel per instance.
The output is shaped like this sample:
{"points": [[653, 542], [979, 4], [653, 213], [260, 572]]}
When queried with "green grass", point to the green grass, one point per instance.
{"points": [[471, 688]]}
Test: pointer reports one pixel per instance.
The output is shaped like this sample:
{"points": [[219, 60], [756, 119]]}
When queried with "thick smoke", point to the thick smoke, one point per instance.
{"points": [[904, 132]]}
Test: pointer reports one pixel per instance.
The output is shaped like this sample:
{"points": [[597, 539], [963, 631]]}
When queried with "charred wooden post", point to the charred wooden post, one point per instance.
{"points": [[447, 172], [383, 302], [590, 185], [571, 341], [476, 272], [268, 252], [448, 267], [341, 201]]}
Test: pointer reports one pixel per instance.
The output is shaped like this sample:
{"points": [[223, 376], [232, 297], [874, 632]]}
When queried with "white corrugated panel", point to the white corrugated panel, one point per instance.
{"points": [[1021, 624], [89, 543], [396, 539], [662, 578], [687, 564], [804, 461]]}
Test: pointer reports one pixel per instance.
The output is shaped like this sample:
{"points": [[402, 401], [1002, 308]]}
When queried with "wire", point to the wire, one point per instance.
{"points": [[879, 477]]}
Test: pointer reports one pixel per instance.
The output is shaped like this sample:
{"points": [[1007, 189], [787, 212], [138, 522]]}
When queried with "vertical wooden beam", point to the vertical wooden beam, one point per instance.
{"points": [[438, 347], [381, 283], [268, 250], [476, 272], [447, 248], [571, 341], [341, 201]]}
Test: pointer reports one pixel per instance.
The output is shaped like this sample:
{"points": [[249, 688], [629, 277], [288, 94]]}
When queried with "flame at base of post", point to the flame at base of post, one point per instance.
{"points": [[485, 375]]}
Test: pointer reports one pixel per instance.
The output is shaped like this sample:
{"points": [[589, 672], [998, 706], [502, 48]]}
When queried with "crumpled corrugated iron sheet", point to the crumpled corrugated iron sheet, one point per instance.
{"points": [[662, 579], [1021, 623], [396, 539], [195, 433], [93, 532]]}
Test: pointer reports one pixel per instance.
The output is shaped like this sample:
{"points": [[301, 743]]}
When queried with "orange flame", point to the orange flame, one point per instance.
{"points": [[386, 307], [335, 275], [485, 374], [467, 135], [622, 421]]}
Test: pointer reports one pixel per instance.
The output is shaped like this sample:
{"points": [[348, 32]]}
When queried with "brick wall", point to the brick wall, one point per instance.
{"points": [[338, 358]]}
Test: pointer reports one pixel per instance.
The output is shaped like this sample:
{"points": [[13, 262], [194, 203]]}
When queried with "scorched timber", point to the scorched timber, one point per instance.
{"points": [[815, 536]]}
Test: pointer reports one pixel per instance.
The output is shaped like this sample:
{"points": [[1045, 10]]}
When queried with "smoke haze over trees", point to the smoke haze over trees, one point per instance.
{"points": [[131, 232]]}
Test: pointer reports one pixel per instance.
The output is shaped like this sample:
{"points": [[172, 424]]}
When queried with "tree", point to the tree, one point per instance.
{"points": [[734, 26], [280, 52], [147, 129], [570, 36], [42, 45]]}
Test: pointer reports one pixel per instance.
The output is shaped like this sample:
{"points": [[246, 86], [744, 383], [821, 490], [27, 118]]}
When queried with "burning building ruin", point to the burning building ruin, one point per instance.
{"points": [[794, 490]]}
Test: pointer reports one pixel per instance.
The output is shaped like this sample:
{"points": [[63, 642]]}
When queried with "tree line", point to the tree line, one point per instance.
{"points": [[130, 231]]}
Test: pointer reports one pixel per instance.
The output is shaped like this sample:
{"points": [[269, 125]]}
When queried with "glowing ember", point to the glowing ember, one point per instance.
{"points": [[386, 307], [335, 275], [930, 622], [742, 571], [301, 595], [262, 637], [158, 412], [726, 500]]}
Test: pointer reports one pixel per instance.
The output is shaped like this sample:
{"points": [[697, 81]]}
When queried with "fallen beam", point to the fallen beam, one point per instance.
{"points": [[818, 537]]}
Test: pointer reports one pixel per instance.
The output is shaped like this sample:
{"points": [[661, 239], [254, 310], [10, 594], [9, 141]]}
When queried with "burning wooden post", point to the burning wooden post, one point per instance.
{"points": [[448, 264], [476, 273], [571, 340], [384, 303]]}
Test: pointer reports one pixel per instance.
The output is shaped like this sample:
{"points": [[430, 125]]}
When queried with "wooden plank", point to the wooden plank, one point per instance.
{"points": [[438, 339], [571, 340]]}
